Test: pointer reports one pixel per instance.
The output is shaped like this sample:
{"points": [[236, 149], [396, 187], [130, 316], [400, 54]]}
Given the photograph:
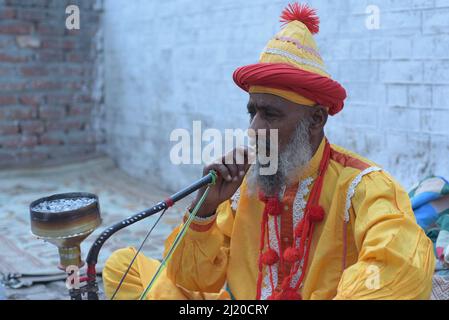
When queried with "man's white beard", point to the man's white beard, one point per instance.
{"points": [[292, 160]]}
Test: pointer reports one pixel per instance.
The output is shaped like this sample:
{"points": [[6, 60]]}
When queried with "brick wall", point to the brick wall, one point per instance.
{"points": [[168, 63], [48, 82]]}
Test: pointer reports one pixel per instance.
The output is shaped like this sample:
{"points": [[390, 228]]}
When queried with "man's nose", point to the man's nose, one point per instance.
{"points": [[258, 123]]}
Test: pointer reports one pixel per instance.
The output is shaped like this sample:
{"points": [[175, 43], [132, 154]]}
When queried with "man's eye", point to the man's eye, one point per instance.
{"points": [[270, 116]]}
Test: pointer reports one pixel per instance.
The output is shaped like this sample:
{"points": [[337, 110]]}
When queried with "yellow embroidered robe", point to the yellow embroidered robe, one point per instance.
{"points": [[368, 246]]}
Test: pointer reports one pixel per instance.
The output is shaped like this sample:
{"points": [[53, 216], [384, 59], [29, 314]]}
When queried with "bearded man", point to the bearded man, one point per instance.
{"points": [[328, 224]]}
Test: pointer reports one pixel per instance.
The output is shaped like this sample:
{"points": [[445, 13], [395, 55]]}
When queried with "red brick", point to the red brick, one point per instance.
{"points": [[18, 141], [58, 43], [6, 157], [47, 112], [4, 100], [28, 141], [7, 13], [8, 141], [12, 86], [8, 127], [47, 56], [73, 71], [60, 98], [12, 58], [76, 137], [32, 126], [48, 29], [76, 85], [28, 3], [76, 57], [34, 71], [30, 100], [50, 43], [16, 28], [7, 71], [73, 32], [46, 85], [85, 98], [32, 15], [29, 155], [7, 42], [68, 45], [17, 112], [67, 124], [51, 138], [80, 110]]}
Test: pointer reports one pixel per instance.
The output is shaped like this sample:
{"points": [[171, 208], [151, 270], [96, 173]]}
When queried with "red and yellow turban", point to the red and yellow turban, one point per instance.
{"points": [[291, 67]]}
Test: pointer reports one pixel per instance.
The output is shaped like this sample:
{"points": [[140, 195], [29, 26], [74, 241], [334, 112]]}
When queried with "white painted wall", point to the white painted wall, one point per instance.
{"points": [[170, 62]]}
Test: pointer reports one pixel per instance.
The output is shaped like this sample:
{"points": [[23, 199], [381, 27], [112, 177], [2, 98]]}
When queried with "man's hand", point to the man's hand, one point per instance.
{"points": [[230, 177]]}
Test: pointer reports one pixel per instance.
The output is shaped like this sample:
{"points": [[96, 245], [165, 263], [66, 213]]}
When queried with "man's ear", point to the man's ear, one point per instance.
{"points": [[318, 119]]}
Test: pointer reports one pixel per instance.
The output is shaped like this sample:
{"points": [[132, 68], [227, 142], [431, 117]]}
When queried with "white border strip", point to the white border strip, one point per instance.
{"points": [[353, 185], [293, 57]]}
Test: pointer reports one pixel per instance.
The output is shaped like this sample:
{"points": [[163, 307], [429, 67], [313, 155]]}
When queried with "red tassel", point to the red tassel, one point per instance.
{"points": [[292, 254], [270, 257], [299, 229], [302, 13], [316, 213], [262, 197], [290, 294], [273, 207], [272, 204], [286, 283], [274, 296]]}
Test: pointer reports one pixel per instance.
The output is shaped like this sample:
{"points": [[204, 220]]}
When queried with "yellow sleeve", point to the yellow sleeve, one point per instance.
{"points": [[200, 261], [395, 257]]}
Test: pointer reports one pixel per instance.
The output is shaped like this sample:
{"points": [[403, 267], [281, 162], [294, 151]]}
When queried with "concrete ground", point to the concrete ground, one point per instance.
{"points": [[119, 195]]}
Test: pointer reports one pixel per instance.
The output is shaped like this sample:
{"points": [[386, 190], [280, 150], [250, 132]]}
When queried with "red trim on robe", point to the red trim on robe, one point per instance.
{"points": [[348, 161]]}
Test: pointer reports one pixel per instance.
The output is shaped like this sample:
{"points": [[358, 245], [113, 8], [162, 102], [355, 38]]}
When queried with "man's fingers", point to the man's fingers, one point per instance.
{"points": [[232, 166], [235, 161], [234, 171], [222, 171]]}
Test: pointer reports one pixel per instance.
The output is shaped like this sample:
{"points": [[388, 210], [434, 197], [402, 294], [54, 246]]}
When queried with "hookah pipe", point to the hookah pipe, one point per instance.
{"points": [[91, 284]]}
